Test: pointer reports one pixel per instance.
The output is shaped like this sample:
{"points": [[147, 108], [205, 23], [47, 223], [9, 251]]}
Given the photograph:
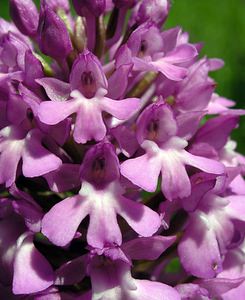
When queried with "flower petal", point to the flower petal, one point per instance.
{"points": [[102, 233], [71, 272], [172, 72], [203, 163], [60, 224], [181, 53], [147, 289], [38, 161], [142, 171], [149, 248], [9, 159], [89, 124], [32, 272], [121, 109], [53, 112], [64, 178], [56, 90], [175, 180], [199, 244], [141, 218]]}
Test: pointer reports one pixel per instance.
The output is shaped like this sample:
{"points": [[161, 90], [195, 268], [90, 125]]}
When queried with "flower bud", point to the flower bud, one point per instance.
{"points": [[54, 39], [25, 16], [124, 3], [95, 7], [151, 10]]}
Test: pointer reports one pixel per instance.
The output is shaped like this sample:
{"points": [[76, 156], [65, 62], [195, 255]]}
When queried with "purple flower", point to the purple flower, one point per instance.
{"points": [[123, 285], [151, 56], [210, 230], [116, 261], [88, 85], [165, 153], [16, 144], [19, 249], [153, 10], [101, 197]]}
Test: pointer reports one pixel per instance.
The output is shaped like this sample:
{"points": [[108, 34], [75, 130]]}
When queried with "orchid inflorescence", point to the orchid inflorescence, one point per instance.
{"points": [[118, 176]]}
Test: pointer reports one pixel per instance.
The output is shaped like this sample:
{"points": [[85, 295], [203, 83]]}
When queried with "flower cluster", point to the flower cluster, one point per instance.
{"points": [[118, 177]]}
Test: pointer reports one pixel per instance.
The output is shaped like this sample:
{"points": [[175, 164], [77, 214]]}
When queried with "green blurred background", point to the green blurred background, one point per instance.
{"points": [[220, 25]]}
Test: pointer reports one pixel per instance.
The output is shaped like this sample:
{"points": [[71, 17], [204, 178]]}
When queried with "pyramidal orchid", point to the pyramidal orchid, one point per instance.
{"points": [[118, 176]]}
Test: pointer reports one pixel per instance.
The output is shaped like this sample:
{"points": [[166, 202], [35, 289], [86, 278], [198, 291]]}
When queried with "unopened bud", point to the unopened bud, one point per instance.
{"points": [[95, 7], [151, 10], [25, 16], [124, 3], [53, 36]]}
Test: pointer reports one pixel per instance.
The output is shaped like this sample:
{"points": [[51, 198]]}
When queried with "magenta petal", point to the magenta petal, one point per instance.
{"points": [[203, 163], [215, 64], [102, 233], [238, 185], [199, 244], [181, 54], [9, 159], [216, 131], [71, 272], [172, 72], [53, 112], [89, 125], [126, 139], [56, 90], [121, 109], [38, 161], [142, 171], [147, 289], [141, 218], [202, 183], [31, 214], [149, 248], [190, 291], [236, 207], [16, 109], [219, 286], [63, 179], [30, 98], [61, 222], [32, 272], [10, 229], [188, 123], [175, 180], [118, 82], [60, 132], [195, 98]]}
